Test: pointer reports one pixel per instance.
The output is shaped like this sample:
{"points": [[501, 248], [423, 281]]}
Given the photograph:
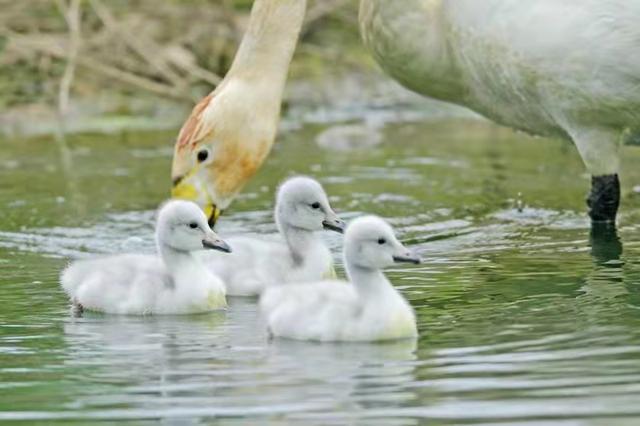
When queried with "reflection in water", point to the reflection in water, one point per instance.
{"points": [[605, 284], [605, 243], [68, 170], [493, 186], [190, 360]]}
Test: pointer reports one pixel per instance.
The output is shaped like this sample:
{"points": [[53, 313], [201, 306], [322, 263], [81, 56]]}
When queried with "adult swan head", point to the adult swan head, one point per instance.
{"points": [[230, 132], [566, 69]]}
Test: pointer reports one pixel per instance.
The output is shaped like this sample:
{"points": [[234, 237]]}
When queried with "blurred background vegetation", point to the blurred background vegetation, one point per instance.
{"points": [[143, 57]]}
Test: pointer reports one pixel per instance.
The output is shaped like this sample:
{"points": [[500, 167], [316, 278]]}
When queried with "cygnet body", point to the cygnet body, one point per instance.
{"points": [[368, 308], [300, 255], [174, 282]]}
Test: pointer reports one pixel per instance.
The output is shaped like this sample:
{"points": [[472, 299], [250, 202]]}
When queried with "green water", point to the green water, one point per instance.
{"points": [[524, 317]]}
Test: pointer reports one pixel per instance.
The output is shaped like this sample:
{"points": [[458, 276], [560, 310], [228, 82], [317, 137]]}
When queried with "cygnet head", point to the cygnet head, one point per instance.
{"points": [[371, 244], [182, 226], [302, 203]]}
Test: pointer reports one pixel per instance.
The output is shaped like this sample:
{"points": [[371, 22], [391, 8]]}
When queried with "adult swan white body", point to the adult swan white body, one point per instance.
{"points": [[568, 69]]}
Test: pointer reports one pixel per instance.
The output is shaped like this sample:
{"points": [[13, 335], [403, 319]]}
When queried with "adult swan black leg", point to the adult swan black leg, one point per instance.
{"points": [[603, 204], [600, 152], [604, 199]]}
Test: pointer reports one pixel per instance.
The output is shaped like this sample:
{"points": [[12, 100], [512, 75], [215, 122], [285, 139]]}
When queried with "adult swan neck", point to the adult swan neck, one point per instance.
{"points": [[269, 42]]}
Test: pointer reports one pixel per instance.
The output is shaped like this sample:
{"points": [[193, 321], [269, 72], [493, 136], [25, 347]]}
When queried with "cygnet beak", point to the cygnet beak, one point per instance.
{"points": [[334, 223], [406, 256], [212, 241]]}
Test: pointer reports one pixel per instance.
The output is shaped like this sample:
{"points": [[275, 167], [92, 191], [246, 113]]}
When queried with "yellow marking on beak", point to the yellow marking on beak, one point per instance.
{"points": [[186, 190], [213, 213], [209, 211]]}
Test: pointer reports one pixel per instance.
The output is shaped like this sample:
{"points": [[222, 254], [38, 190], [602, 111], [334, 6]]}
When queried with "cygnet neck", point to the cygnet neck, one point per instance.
{"points": [[171, 255], [366, 280], [299, 240], [177, 261]]}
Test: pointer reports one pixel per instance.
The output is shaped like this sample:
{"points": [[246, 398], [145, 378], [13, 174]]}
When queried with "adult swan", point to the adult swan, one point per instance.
{"points": [[567, 69]]}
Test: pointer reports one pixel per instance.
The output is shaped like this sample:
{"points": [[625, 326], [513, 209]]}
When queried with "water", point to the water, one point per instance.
{"points": [[524, 317]]}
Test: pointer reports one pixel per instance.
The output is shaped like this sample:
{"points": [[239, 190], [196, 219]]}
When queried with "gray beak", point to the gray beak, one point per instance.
{"points": [[407, 257], [334, 223], [213, 242]]}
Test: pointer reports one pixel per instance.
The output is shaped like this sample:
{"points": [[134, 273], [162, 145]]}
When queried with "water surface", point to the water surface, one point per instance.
{"points": [[525, 317]]}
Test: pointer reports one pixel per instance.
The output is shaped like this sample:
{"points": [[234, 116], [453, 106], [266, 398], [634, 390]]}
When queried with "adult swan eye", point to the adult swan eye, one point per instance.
{"points": [[193, 225], [381, 241], [315, 205]]}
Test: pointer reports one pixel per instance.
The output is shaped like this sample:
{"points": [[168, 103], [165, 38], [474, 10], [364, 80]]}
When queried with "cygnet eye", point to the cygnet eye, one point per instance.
{"points": [[315, 205], [203, 154], [381, 241], [193, 225]]}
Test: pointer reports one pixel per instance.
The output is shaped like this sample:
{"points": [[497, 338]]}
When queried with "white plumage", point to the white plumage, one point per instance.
{"points": [[555, 68], [368, 308], [298, 255], [175, 282], [567, 69]]}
